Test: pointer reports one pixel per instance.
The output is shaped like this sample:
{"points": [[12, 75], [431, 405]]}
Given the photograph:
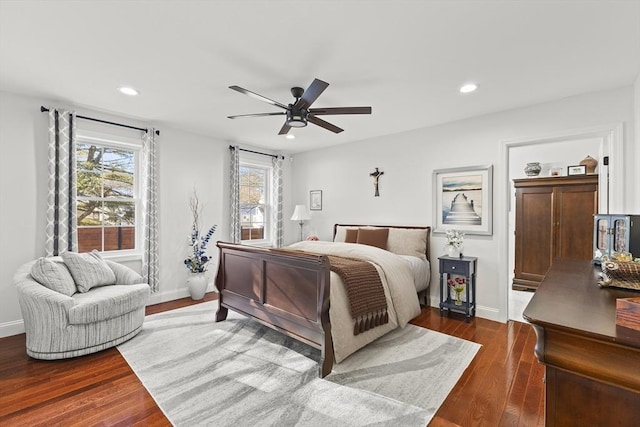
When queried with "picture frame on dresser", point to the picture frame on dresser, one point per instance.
{"points": [[463, 199]]}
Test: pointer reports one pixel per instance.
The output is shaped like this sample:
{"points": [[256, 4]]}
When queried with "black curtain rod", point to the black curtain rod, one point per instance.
{"points": [[45, 109], [256, 152]]}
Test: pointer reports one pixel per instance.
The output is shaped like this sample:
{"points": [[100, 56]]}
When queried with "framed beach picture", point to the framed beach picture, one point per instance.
{"points": [[315, 200], [463, 200]]}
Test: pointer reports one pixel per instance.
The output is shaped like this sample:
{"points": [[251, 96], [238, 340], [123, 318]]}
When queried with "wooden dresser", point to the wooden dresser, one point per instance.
{"points": [[554, 219], [592, 365]]}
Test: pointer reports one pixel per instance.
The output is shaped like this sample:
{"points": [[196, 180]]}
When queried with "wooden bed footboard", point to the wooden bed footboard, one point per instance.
{"points": [[285, 290]]}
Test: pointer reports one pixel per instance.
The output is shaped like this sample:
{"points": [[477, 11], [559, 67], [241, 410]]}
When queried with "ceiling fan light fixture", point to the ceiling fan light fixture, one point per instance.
{"points": [[296, 119], [290, 136]]}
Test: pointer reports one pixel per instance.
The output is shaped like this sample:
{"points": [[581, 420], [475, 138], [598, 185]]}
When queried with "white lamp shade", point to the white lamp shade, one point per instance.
{"points": [[300, 213]]}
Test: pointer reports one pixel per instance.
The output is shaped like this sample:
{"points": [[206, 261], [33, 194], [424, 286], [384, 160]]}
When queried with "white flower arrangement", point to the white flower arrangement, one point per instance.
{"points": [[455, 238]]}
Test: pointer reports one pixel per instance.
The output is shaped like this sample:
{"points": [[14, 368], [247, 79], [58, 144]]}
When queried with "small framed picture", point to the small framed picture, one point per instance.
{"points": [[577, 170], [315, 200]]}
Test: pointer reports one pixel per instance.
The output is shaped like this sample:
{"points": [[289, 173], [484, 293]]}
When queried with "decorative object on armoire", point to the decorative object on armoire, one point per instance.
{"points": [[554, 220], [615, 234], [533, 169], [576, 170], [376, 176], [555, 172], [301, 215], [590, 163], [455, 243], [197, 261]]}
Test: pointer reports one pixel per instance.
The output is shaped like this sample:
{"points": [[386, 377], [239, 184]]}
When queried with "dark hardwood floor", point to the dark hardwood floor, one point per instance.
{"points": [[502, 386]]}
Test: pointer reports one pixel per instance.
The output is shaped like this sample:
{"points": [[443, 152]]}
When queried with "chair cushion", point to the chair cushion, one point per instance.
{"points": [[88, 270], [54, 275], [107, 302]]}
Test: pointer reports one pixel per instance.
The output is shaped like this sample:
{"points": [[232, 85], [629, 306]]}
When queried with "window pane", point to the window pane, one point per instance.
{"points": [[118, 166], [119, 213], [89, 184], [89, 213]]}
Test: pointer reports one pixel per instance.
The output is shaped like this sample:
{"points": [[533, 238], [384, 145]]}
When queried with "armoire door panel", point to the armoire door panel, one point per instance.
{"points": [[575, 208]]}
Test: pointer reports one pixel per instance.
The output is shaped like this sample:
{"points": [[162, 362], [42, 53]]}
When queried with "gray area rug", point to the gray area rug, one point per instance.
{"points": [[240, 373]]}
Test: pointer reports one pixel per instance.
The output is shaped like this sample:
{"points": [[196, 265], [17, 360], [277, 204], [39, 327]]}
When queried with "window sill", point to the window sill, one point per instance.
{"points": [[121, 257]]}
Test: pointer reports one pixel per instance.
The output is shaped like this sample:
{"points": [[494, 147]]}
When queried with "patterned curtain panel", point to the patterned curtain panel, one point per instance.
{"points": [[61, 231], [234, 181], [276, 218], [150, 210]]}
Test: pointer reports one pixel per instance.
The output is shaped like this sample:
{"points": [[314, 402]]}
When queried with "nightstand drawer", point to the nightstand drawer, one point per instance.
{"points": [[454, 267]]}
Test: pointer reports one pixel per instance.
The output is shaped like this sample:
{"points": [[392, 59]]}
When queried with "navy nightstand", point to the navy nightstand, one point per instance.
{"points": [[465, 267]]}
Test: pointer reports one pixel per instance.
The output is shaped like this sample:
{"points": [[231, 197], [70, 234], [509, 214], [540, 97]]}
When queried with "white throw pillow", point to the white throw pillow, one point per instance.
{"points": [[88, 270], [53, 275]]}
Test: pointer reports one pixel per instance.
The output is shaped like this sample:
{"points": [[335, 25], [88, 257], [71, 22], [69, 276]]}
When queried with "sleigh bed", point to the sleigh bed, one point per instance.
{"points": [[294, 291]]}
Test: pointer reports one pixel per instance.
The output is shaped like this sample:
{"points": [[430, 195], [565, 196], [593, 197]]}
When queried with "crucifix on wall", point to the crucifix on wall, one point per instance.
{"points": [[376, 177]]}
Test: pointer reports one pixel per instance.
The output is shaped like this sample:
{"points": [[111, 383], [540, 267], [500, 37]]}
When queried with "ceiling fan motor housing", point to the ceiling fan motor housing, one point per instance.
{"points": [[296, 117]]}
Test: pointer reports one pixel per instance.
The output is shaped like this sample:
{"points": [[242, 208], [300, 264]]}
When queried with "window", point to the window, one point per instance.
{"points": [[255, 206], [107, 196]]}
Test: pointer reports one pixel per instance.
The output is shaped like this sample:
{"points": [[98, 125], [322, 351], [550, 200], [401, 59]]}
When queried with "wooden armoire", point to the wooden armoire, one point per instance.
{"points": [[554, 219]]}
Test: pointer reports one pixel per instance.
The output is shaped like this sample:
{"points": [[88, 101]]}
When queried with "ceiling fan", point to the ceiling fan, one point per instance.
{"points": [[298, 114]]}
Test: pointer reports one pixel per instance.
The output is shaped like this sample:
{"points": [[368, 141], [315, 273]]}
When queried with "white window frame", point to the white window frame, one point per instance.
{"points": [[120, 142], [256, 161]]}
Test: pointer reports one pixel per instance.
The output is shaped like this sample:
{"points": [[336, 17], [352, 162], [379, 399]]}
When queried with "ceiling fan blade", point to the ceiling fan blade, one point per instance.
{"points": [[281, 113], [258, 97], [323, 124], [339, 110], [285, 129], [312, 93]]}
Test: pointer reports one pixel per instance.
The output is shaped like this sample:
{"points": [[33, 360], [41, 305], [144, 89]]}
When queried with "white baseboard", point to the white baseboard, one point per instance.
{"points": [[481, 311], [16, 327]]}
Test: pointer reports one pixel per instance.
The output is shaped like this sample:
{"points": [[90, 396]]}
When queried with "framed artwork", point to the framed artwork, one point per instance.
{"points": [[577, 170], [463, 200], [315, 200]]}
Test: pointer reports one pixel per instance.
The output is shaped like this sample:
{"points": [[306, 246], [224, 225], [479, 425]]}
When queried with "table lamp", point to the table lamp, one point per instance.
{"points": [[301, 214]]}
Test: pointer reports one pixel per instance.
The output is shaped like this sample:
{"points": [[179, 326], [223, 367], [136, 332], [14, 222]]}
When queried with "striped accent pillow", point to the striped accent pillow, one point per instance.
{"points": [[53, 275], [88, 270]]}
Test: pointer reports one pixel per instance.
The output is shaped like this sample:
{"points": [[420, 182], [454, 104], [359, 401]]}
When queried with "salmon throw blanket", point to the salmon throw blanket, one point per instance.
{"points": [[365, 293]]}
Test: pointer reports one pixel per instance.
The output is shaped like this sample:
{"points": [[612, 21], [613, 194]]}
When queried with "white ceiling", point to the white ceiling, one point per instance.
{"points": [[406, 59]]}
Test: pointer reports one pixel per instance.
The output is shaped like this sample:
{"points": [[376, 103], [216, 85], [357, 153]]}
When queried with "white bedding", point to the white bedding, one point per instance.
{"points": [[397, 281], [421, 271]]}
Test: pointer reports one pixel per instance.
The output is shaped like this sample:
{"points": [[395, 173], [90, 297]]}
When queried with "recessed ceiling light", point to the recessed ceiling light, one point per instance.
{"points": [[290, 136], [128, 91], [469, 87]]}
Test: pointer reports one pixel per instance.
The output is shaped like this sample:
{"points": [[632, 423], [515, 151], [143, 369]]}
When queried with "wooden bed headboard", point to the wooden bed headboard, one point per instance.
{"points": [[335, 230]]}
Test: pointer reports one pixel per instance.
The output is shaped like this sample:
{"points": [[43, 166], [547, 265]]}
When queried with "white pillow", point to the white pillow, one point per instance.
{"points": [[53, 275], [88, 270], [408, 241]]}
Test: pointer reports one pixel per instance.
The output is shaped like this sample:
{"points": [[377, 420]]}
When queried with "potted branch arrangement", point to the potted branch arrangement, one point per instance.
{"points": [[197, 261]]}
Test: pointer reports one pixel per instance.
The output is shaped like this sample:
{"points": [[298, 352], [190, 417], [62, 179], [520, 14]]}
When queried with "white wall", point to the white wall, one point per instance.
{"points": [[409, 158]]}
